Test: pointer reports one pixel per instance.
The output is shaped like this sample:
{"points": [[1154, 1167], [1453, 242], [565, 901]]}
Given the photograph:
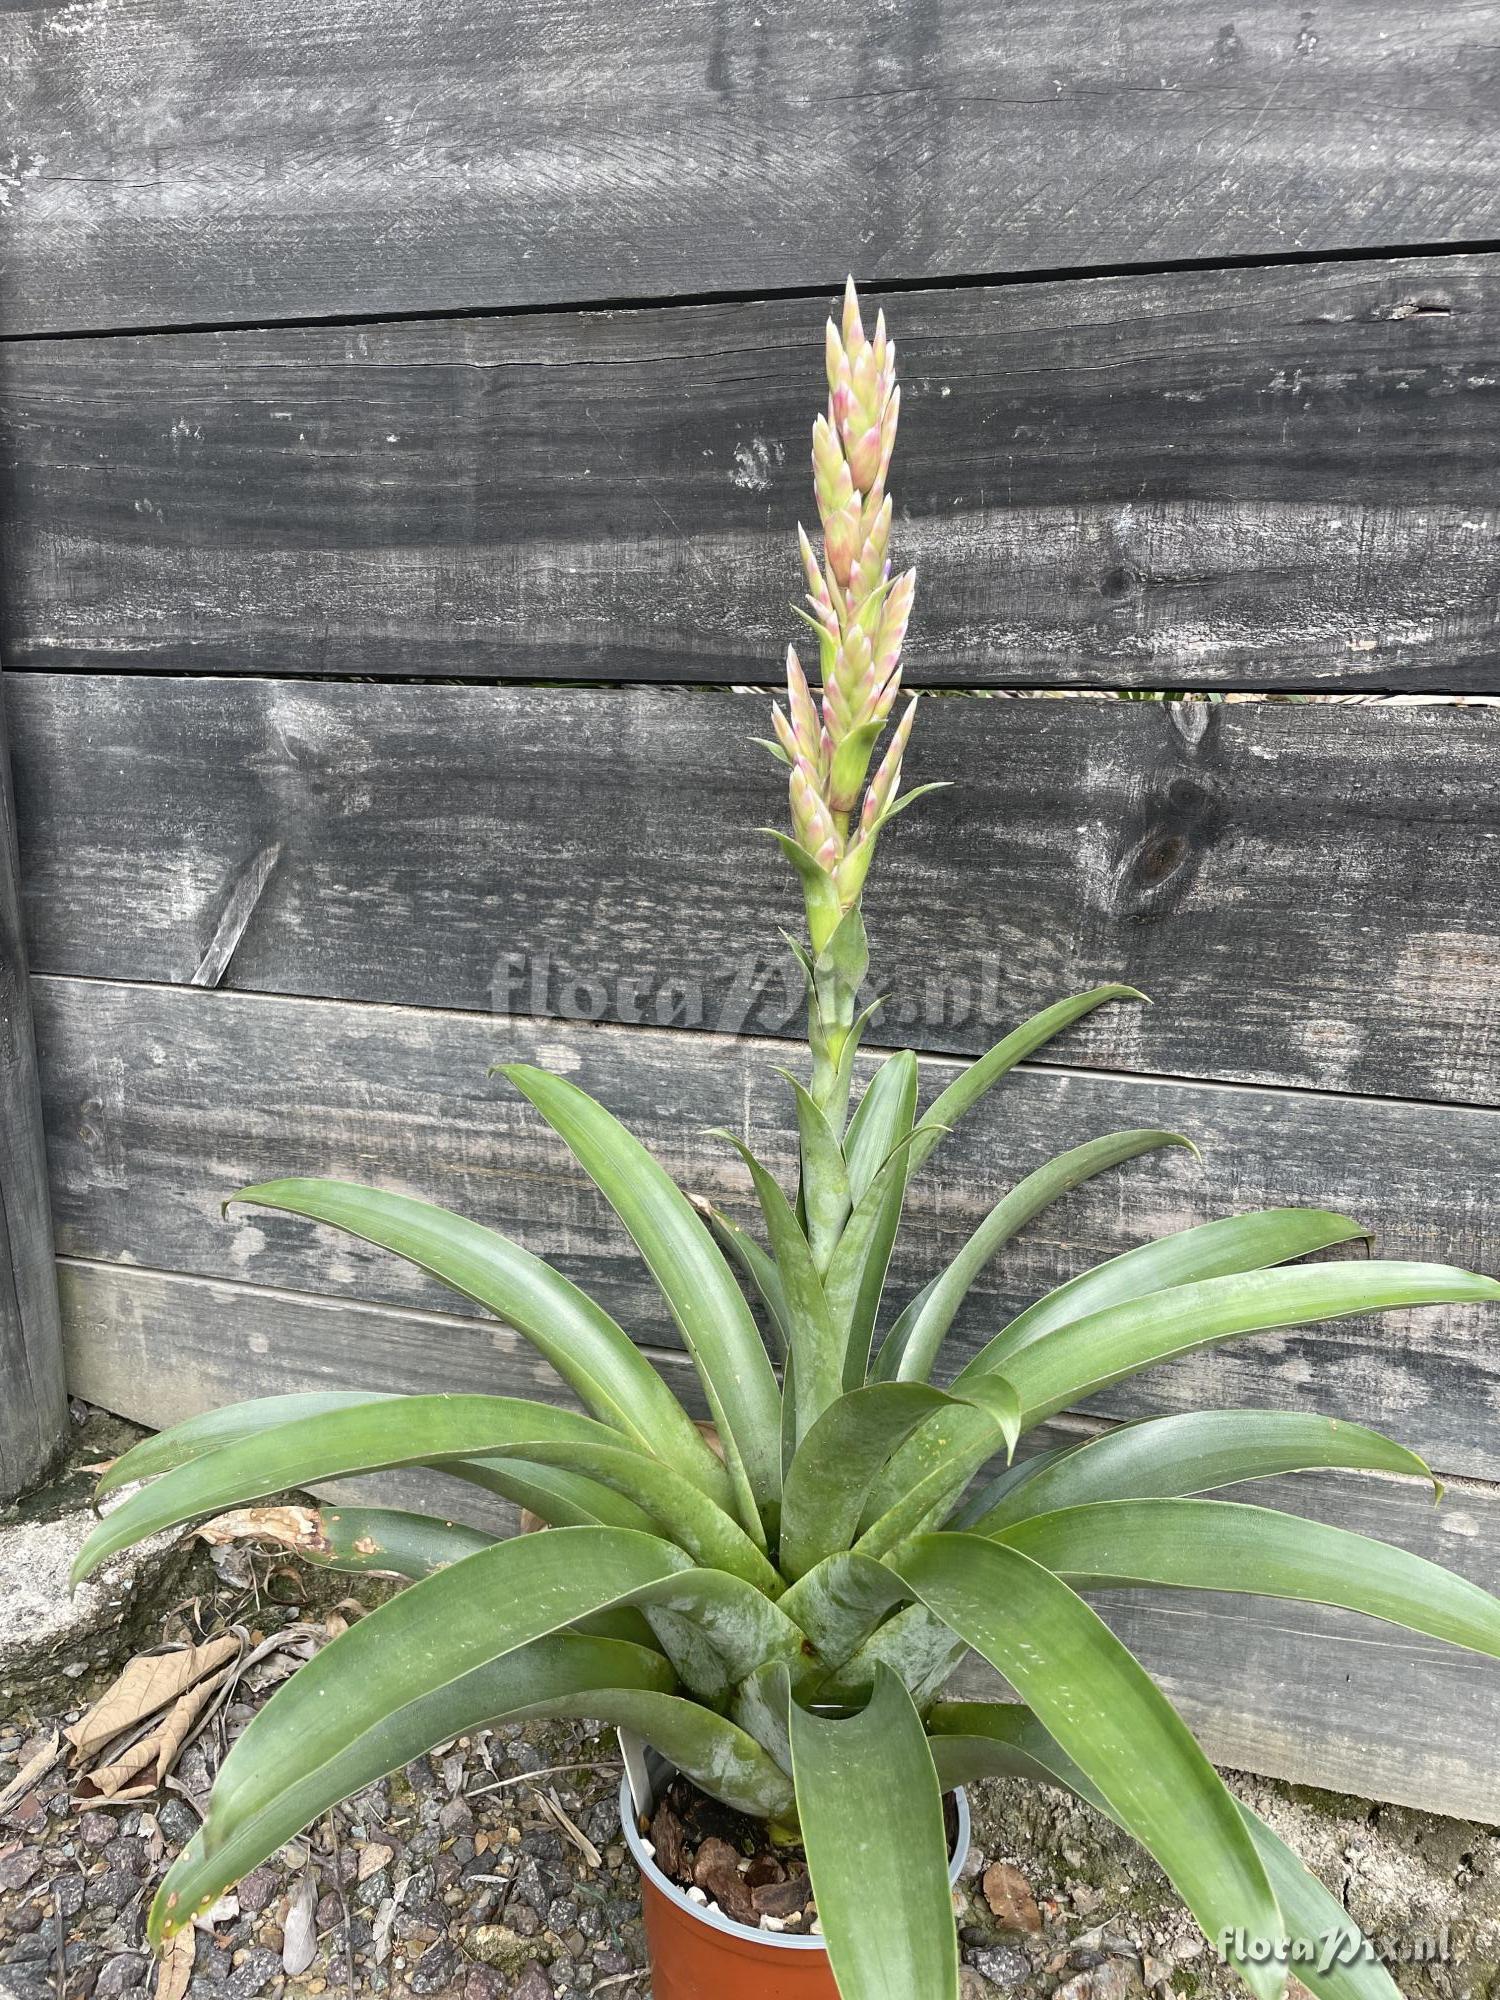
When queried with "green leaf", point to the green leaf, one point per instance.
{"points": [[1005, 1485], [1105, 1711], [561, 1498], [957, 1449], [818, 890], [815, 1346], [843, 1076], [1024, 1202], [1166, 1457], [887, 1363], [368, 1437], [851, 760], [1078, 1359], [882, 1119], [384, 1541], [872, 1822], [709, 1535], [759, 1270], [384, 1691], [973, 1740], [1226, 1545], [593, 1355], [825, 1178], [717, 1630], [878, 1150], [839, 1602], [836, 1464], [966, 1089], [531, 1682], [1211, 1250], [705, 1301], [202, 1434], [916, 1645], [720, 1758]]}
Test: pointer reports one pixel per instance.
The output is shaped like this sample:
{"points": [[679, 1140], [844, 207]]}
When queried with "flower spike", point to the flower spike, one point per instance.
{"points": [[860, 614]]}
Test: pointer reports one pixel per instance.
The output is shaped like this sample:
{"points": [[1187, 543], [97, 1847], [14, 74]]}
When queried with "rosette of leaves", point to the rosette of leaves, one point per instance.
{"points": [[781, 1623]]}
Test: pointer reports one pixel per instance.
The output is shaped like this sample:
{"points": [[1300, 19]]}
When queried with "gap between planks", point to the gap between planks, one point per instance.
{"points": [[960, 281]]}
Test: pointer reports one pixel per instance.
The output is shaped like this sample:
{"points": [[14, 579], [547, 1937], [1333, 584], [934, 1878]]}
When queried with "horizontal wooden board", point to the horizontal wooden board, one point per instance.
{"points": [[1306, 892], [286, 161], [1293, 1691], [162, 1101], [1264, 477]]}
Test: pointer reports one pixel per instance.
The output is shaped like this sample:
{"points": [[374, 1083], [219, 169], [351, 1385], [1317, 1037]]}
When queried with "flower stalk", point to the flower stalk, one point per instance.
{"points": [[859, 614]]}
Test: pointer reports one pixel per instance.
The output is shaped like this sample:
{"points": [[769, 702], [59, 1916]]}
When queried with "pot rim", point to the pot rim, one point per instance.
{"points": [[716, 1919]]}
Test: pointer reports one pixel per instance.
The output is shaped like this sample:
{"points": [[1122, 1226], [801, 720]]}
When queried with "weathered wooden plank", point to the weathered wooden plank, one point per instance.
{"points": [[1306, 892], [33, 1399], [298, 162], [1261, 1682], [1266, 477], [162, 1101]]}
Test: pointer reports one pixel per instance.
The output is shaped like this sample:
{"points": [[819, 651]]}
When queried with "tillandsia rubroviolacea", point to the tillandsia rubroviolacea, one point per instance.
{"points": [[781, 1624]]}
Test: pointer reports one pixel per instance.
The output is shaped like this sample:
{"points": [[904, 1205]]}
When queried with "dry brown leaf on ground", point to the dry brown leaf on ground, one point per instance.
{"points": [[553, 1806], [174, 1975], [148, 1683], [149, 1759], [33, 1769], [296, 1528], [1009, 1896], [300, 1931]]}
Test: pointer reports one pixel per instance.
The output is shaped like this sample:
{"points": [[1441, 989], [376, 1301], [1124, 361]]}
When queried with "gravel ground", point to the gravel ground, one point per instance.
{"points": [[460, 1877]]}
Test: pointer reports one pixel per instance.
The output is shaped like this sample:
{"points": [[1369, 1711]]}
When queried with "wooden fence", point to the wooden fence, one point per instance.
{"points": [[403, 418]]}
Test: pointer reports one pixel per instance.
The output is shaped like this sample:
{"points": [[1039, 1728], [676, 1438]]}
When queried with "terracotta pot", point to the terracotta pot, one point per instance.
{"points": [[700, 1954]]}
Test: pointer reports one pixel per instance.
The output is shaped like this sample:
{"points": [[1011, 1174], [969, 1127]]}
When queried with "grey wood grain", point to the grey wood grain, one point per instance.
{"points": [[1247, 478], [33, 1400], [163, 1101], [1294, 1691], [1306, 892], [302, 161]]}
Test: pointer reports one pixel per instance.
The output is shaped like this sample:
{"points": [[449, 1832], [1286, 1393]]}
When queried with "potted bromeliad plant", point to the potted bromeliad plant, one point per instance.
{"points": [[775, 1607]]}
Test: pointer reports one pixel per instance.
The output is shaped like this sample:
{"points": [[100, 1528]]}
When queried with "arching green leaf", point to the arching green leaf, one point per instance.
{"points": [[1107, 1713], [1167, 1457], [981, 1076], [197, 1436], [593, 1355], [1086, 1355], [366, 1437], [1210, 1250], [815, 1346], [705, 1301], [1225, 1545], [1011, 1213], [981, 1423]]}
